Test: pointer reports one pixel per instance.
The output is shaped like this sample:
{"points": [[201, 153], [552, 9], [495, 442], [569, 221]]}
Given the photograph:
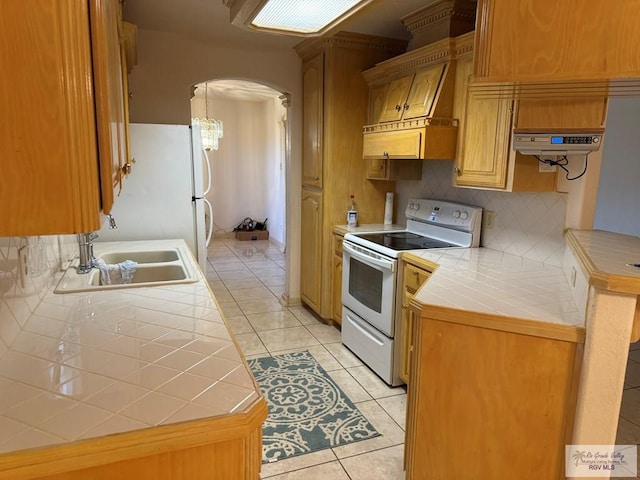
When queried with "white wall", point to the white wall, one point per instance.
{"points": [[618, 201], [161, 82]]}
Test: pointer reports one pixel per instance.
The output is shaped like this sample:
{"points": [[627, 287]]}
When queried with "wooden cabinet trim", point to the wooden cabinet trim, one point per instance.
{"points": [[568, 333], [84, 454]]}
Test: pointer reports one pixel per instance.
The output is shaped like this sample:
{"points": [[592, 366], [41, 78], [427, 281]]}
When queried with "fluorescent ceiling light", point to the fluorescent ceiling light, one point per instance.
{"points": [[295, 17], [303, 16]]}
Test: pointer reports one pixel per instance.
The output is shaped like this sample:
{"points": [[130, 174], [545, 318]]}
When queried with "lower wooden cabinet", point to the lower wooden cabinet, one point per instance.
{"points": [[412, 279], [310, 265], [490, 397]]}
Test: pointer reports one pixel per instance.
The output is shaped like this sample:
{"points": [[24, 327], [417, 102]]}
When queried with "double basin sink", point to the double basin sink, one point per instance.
{"points": [[155, 268]]}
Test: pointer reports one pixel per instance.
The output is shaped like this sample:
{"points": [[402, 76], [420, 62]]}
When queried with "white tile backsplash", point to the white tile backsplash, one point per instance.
{"points": [[526, 224], [27, 269]]}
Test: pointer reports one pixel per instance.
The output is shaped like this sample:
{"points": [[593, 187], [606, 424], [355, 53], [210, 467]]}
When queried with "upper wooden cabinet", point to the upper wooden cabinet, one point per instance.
{"points": [[555, 41], [485, 157], [395, 99], [312, 114], [63, 135], [108, 78], [484, 154], [411, 96]]}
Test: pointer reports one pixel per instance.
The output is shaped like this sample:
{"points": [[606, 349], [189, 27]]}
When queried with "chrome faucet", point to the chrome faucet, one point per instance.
{"points": [[85, 245], [112, 222]]}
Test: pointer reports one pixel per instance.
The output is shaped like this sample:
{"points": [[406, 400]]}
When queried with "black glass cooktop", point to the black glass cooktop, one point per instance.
{"points": [[404, 241]]}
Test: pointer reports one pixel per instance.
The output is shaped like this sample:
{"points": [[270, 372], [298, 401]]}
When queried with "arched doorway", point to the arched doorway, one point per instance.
{"points": [[248, 168]]}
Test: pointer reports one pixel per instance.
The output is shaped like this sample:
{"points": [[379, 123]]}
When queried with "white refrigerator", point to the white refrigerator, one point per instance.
{"points": [[164, 195]]}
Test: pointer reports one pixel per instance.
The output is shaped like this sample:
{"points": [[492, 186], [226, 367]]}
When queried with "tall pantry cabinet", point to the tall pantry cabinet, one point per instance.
{"points": [[335, 101]]}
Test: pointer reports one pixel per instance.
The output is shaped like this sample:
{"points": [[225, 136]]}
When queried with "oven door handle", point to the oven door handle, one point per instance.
{"points": [[386, 264]]}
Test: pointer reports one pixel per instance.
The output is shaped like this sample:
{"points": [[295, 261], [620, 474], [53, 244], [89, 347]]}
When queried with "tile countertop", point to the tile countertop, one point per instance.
{"points": [[96, 363], [369, 227], [608, 258], [493, 282]]}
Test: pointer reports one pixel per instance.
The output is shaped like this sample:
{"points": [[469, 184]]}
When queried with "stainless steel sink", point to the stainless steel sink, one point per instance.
{"points": [[151, 256], [155, 267]]}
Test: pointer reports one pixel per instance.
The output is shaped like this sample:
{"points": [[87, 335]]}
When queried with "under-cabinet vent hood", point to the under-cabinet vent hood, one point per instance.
{"points": [[557, 142]]}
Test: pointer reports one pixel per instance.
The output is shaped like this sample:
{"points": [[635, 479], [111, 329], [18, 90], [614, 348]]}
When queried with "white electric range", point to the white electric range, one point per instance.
{"points": [[370, 276]]}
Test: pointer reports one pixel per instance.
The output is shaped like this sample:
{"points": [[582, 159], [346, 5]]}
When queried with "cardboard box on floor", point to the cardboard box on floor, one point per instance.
{"points": [[253, 235]]}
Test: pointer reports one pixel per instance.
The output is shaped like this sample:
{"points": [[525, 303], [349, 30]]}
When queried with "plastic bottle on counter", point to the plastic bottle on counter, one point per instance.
{"points": [[352, 212]]}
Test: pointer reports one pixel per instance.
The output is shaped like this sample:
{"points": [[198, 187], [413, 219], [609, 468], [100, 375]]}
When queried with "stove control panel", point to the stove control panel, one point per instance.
{"points": [[443, 213]]}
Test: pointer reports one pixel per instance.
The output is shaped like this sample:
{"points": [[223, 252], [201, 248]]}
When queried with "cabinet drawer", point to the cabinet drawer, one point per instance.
{"points": [[398, 145], [414, 277]]}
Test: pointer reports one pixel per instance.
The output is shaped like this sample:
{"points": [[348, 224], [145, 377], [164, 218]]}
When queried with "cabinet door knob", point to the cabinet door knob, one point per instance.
{"points": [[406, 106], [398, 108], [385, 154], [457, 171]]}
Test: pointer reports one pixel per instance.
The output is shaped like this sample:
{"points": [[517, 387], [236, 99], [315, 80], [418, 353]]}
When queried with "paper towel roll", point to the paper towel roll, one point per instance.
{"points": [[388, 209]]}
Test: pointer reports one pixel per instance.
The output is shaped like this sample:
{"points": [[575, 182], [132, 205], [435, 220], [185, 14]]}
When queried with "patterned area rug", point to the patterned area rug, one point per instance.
{"points": [[307, 410]]}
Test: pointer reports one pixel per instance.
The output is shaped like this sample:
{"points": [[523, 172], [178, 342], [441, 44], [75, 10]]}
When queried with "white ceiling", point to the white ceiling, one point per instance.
{"points": [[208, 21]]}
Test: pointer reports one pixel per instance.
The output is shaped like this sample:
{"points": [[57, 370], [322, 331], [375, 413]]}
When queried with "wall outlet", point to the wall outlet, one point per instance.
{"points": [[489, 219], [546, 167]]}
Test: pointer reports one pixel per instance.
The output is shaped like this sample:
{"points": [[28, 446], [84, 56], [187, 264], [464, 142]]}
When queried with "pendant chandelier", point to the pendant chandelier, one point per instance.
{"points": [[211, 130]]}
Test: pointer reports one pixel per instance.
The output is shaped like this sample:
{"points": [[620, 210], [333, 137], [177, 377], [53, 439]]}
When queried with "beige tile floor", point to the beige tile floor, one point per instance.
{"points": [[248, 278]]}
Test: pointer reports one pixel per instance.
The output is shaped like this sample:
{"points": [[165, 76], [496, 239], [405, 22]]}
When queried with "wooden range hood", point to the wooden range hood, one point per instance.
{"points": [[412, 94]]}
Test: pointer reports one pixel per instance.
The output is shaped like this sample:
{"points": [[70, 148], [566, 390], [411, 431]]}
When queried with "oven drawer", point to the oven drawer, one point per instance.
{"points": [[372, 347]]}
